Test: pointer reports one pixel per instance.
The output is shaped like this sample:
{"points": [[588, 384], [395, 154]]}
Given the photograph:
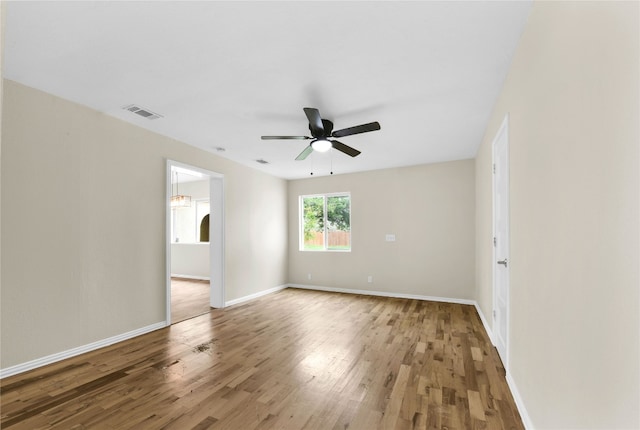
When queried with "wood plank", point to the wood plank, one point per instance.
{"points": [[392, 412], [475, 405]]}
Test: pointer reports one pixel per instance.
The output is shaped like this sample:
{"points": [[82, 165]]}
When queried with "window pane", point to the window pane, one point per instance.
{"points": [[313, 218], [338, 222]]}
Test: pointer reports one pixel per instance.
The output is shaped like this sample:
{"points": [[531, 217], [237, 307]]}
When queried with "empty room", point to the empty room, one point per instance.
{"points": [[320, 215]]}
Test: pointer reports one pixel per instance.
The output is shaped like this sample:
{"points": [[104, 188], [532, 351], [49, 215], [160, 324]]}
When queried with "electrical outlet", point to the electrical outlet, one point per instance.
{"points": [[370, 279]]}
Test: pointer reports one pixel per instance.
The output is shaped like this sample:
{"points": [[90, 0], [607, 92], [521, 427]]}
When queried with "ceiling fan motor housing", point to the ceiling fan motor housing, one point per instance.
{"points": [[326, 125]]}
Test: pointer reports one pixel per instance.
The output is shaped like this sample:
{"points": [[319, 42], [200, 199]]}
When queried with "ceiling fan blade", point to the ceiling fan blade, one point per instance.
{"points": [[304, 154], [345, 148], [315, 122], [364, 128], [285, 137]]}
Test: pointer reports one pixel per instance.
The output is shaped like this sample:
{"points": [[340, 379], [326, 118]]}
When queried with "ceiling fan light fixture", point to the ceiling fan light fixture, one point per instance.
{"points": [[321, 145]]}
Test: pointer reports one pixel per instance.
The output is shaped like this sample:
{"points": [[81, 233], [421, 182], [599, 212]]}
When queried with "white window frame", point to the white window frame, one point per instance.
{"points": [[325, 196]]}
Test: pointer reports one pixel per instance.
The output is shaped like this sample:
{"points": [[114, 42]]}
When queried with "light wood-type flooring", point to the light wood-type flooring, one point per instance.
{"points": [[294, 359], [189, 298]]}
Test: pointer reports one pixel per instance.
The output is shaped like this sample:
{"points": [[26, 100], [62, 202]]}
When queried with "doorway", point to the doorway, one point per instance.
{"points": [[194, 241], [500, 149]]}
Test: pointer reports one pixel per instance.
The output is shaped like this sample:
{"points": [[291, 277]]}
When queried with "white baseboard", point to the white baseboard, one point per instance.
{"points": [[526, 420], [199, 278], [53, 358], [485, 323], [255, 295], [510, 382], [384, 294]]}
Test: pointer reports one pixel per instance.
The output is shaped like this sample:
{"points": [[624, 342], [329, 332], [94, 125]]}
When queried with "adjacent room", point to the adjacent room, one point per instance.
{"points": [[320, 215], [189, 241]]}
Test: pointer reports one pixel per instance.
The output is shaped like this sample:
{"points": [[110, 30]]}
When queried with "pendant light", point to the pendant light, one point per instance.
{"points": [[178, 200]]}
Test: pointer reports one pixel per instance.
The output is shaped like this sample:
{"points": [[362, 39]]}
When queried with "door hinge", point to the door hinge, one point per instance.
{"points": [[494, 241], [494, 168], [494, 314]]}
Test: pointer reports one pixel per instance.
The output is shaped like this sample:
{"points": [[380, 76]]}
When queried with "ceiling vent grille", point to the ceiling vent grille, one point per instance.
{"points": [[261, 161], [145, 113]]}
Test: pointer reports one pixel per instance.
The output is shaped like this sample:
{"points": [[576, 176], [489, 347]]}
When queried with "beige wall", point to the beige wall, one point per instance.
{"points": [[83, 242], [572, 96], [2, 15], [429, 208]]}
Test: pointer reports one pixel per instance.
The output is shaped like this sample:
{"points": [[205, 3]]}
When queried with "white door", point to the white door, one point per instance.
{"points": [[501, 240]]}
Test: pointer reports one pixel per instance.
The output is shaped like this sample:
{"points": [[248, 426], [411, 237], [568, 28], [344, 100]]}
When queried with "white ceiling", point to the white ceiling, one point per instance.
{"points": [[222, 74]]}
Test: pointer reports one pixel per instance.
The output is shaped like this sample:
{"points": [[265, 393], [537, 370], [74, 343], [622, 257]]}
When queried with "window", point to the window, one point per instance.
{"points": [[325, 222], [187, 223]]}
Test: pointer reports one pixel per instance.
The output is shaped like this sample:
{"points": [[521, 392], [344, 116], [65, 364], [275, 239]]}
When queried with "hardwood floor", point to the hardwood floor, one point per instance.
{"points": [[189, 298], [291, 360]]}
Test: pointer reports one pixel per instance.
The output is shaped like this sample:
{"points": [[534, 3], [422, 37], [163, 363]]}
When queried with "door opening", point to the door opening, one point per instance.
{"points": [[500, 149], [194, 241]]}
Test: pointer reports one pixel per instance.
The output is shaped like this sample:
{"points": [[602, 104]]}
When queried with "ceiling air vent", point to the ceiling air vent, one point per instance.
{"points": [[145, 113], [261, 161]]}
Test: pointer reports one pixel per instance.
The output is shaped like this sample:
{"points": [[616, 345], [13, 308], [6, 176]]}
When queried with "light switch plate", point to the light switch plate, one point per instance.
{"points": [[390, 237]]}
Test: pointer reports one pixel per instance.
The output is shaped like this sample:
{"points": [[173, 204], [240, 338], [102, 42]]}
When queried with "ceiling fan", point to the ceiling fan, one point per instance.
{"points": [[322, 130]]}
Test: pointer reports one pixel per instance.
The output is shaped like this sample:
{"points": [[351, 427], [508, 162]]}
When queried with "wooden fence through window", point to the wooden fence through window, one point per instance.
{"points": [[336, 239]]}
